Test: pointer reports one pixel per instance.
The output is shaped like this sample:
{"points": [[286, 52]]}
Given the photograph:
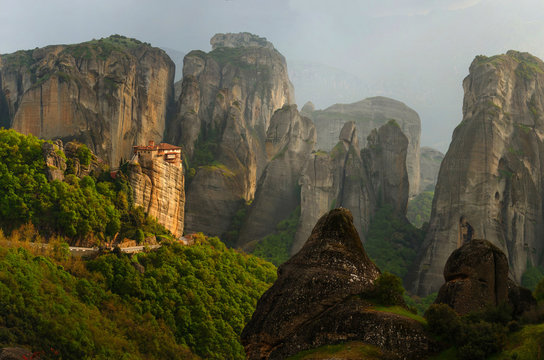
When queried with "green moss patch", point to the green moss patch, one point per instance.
{"points": [[349, 350]]}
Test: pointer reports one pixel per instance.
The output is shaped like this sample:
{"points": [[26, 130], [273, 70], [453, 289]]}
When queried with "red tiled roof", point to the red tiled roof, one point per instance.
{"points": [[165, 146], [161, 146]]}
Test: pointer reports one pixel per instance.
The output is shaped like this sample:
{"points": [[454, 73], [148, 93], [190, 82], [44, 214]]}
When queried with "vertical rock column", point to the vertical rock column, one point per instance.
{"points": [[158, 186]]}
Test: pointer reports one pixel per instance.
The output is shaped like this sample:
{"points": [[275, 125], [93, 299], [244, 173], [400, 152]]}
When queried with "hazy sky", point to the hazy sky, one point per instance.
{"points": [[417, 51]]}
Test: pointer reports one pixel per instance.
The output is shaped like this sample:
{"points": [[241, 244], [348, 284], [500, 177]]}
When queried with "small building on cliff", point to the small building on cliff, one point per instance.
{"points": [[155, 173], [170, 153]]}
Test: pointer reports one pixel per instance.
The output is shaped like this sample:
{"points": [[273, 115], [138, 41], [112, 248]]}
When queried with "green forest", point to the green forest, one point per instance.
{"points": [[176, 302], [93, 208]]}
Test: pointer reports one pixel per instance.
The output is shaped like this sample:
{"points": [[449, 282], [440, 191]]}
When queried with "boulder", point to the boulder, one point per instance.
{"points": [[476, 277], [15, 353]]}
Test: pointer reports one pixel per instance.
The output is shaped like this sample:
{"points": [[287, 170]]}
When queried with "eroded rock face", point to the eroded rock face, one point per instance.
{"points": [[227, 99], [354, 179], [476, 277], [109, 94], [490, 183], [55, 163], [15, 353], [159, 187], [289, 140], [384, 158], [430, 161], [369, 114], [318, 299], [244, 39]]}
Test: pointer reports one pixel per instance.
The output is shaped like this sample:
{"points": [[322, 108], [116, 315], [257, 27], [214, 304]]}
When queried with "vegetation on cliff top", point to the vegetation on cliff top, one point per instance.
{"points": [[102, 48], [349, 350], [528, 65], [165, 304]]}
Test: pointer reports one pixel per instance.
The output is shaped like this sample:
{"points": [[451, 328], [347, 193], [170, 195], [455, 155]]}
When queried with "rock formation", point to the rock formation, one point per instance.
{"points": [[54, 161], [354, 179], [227, 99], [429, 165], [319, 298], [384, 158], [369, 114], [289, 140], [61, 159], [476, 276], [109, 94], [15, 353], [490, 183], [159, 187]]}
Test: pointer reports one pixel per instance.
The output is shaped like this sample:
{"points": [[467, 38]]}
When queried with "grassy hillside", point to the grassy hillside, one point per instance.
{"points": [[167, 304]]}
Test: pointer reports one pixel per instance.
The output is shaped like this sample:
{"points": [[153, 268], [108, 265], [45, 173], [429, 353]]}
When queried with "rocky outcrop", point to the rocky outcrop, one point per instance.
{"points": [[357, 180], [476, 277], [429, 165], [227, 99], [369, 114], [159, 187], [15, 353], [55, 160], [72, 158], [244, 39], [384, 158], [318, 299], [491, 180], [109, 94], [289, 140]]}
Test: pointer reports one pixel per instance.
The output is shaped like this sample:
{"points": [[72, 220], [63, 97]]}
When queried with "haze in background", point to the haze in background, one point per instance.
{"points": [[417, 52]]}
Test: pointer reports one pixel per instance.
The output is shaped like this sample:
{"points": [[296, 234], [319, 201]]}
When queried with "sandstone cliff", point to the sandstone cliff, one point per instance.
{"points": [[429, 165], [357, 180], [70, 158], [109, 94], [227, 99], [319, 298], [490, 183], [384, 158], [289, 140], [159, 187], [369, 114]]}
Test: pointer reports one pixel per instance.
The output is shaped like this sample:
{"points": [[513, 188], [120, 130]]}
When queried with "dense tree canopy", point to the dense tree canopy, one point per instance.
{"points": [[166, 304], [89, 207]]}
